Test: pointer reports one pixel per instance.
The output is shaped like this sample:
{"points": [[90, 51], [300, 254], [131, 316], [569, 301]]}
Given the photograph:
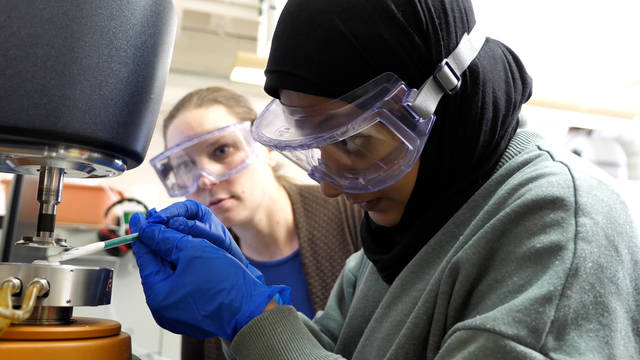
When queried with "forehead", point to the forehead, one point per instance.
{"points": [[193, 122]]}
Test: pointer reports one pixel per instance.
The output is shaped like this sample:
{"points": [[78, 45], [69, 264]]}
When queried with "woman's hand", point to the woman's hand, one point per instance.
{"points": [[194, 287], [192, 218]]}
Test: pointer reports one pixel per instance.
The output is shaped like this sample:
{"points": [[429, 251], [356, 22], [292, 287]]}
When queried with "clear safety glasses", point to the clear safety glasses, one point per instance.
{"points": [[369, 138], [216, 155], [360, 142]]}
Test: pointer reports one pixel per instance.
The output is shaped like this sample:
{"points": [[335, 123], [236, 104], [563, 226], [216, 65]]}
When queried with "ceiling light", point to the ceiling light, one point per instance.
{"points": [[248, 68]]}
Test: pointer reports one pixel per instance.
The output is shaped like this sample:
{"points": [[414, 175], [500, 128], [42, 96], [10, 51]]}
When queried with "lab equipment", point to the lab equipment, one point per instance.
{"points": [[372, 136], [217, 155], [79, 96], [194, 287], [92, 248], [126, 206]]}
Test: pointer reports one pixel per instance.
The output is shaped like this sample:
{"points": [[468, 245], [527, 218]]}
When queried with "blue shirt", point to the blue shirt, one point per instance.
{"points": [[288, 271]]}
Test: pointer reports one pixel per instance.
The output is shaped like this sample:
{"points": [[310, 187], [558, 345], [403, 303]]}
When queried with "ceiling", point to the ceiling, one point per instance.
{"points": [[211, 32], [582, 54], [579, 52]]}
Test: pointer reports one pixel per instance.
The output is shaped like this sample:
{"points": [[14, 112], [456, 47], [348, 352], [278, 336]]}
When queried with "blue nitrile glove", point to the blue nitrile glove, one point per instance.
{"points": [[210, 227], [208, 232], [192, 218], [195, 288], [150, 213]]}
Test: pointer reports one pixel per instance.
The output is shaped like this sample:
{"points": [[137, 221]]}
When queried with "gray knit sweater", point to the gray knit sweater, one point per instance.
{"points": [[543, 262]]}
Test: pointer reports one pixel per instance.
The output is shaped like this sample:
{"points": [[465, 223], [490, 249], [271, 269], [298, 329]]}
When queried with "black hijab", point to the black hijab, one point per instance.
{"points": [[330, 47]]}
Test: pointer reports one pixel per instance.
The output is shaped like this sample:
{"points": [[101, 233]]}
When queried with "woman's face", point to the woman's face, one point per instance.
{"points": [[235, 200], [384, 206]]}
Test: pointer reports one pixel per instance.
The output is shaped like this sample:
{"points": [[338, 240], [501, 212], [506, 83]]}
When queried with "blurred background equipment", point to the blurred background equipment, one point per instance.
{"points": [[79, 98], [121, 211], [614, 151], [603, 151]]}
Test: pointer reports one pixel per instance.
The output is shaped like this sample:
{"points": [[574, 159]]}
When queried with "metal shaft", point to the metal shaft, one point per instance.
{"points": [[49, 196]]}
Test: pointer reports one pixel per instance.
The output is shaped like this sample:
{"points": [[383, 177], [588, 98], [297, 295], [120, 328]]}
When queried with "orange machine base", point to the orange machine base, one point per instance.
{"points": [[86, 338]]}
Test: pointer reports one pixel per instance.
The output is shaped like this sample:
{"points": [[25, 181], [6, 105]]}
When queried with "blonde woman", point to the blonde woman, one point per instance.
{"points": [[289, 231]]}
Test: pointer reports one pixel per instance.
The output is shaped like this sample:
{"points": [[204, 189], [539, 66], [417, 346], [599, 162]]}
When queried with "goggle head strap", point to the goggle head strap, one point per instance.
{"points": [[446, 79]]}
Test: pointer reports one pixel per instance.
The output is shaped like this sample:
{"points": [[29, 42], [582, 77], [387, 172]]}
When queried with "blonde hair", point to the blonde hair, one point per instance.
{"points": [[238, 105]]}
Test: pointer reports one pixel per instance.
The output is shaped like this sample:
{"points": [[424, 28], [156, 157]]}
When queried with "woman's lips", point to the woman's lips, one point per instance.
{"points": [[219, 203]]}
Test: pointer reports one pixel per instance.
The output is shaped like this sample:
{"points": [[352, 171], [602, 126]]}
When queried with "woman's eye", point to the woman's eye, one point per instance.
{"points": [[183, 166], [221, 151], [350, 146], [354, 143]]}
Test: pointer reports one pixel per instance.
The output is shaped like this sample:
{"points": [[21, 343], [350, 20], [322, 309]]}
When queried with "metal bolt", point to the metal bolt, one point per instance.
{"points": [[17, 284], [44, 285]]}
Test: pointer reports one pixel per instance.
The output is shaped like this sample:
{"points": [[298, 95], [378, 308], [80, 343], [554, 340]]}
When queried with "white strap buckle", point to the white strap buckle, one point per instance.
{"points": [[447, 77]]}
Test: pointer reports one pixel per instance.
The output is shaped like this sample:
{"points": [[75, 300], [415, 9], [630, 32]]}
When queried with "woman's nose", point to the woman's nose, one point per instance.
{"points": [[206, 182], [329, 190]]}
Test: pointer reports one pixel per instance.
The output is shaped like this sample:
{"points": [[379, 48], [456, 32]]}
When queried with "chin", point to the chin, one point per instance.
{"points": [[227, 222], [384, 219], [225, 217]]}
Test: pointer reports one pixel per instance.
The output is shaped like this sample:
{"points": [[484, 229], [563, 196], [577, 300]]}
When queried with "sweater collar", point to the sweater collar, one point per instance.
{"points": [[521, 141]]}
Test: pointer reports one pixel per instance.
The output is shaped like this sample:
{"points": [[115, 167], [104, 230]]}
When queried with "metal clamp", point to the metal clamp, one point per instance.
{"points": [[447, 77]]}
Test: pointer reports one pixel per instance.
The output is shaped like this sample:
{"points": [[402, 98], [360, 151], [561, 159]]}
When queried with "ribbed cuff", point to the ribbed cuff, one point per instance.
{"points": [[280, 293], [275, 335]]}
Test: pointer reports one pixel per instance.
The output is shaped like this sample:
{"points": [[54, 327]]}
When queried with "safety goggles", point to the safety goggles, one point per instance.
{"points": [[369, 138], [216, 156]]}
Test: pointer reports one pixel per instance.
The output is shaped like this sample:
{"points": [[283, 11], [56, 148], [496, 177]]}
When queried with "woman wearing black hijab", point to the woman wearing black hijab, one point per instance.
{"points": [[479, 242]]}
